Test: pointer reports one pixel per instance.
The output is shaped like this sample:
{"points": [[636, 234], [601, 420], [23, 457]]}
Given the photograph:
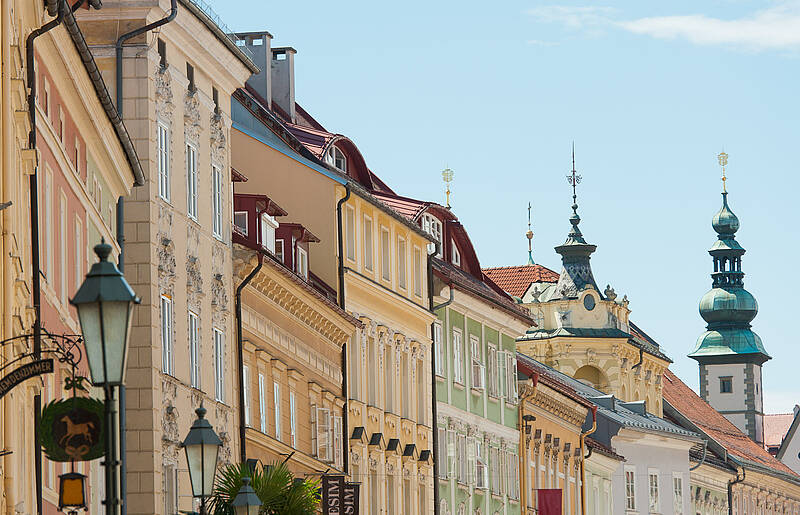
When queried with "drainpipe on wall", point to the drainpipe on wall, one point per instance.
{"points": [[732, 482], [340, 249], [123, 481], [34, 198], [703, 458], [583, 461], [434, 410], [240, 352]]}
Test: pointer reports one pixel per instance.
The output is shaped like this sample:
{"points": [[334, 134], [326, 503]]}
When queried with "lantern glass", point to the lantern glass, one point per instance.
{"points": [[72, 490], [106, 325], [246, 501], [202, 461]]}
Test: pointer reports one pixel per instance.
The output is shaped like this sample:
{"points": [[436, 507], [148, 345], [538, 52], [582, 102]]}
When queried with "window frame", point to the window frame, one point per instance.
{"points": [[276, 402], [434, 227], [386, 254], [458, 355], [262, 409], [62, 247], [350, 233], [653, 491], [478, 369], [292, 419], [301, 267], [164, 169], [677, 493], [246, 396], [216, 201], [268, 224], [723, 381], [417, 265], [191, 181], [629, 477], [402, 263], [455, 255], [194, 349], [246, 229], [167, 340], [439, 347], [369, 251], [219, 365]]}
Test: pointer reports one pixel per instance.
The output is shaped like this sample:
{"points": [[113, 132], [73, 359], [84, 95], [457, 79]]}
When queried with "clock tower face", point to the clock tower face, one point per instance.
{"points": [[589, 302]]}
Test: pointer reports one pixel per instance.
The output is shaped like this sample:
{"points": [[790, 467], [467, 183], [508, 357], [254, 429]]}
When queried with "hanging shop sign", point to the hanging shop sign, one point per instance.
{"points": [[8, 382], [73, 429], [332, 494], [350, 498]]}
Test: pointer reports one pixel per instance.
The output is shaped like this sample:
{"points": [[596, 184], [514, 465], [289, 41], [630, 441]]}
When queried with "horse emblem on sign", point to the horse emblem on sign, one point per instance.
{"points": [[72, 429]]}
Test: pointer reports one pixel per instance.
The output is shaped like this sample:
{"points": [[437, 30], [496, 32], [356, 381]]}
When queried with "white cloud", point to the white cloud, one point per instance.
{"points": [[774, 28]]}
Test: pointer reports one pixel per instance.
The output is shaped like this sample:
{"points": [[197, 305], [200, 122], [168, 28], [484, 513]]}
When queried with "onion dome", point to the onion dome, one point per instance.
{"points": [[728, 308]]}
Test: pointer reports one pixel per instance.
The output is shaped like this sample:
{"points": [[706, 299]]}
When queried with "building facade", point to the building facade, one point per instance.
{"points": [[82, 162], [175, 89]]}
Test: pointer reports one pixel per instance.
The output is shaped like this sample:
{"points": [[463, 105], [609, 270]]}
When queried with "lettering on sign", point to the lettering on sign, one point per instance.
{"points": [[332, 487], [350, 498], [7, 383]]}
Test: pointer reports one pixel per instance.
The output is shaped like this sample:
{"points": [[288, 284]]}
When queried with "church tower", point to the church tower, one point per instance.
{"points": [[730, 354]]}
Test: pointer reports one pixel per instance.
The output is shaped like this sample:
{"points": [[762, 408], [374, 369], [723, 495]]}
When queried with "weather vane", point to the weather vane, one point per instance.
{"points": [[529, 235], [722, 157], [573, 178], [447, 175]]}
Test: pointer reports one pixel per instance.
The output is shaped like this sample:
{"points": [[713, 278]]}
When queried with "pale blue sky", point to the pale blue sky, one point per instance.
{"points": [[650, 93]]}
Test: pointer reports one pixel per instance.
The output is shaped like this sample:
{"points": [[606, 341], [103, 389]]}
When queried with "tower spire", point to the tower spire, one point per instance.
{"points": [[447, 176], [722, 158], [529, 235]]}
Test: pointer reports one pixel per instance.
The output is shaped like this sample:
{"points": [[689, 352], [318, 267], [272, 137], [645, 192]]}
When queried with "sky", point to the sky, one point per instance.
{"points": [[649, 92]]}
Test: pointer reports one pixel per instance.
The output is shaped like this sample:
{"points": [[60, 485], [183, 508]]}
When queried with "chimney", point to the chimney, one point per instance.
{"points": [[282, 79], [259, 45]]}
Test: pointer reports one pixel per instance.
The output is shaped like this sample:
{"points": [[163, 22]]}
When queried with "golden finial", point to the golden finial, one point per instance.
{"points": [[722, 157], [529, 235], [447, 175]]}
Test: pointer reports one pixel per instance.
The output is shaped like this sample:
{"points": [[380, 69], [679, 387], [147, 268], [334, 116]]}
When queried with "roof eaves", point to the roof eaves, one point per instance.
{"points": [[789, 436], [362, 192]]}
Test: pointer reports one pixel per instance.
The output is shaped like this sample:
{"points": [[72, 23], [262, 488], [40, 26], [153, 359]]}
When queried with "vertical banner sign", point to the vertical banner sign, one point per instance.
{"points": [[350, 498], [332, 487], [549, 501]]}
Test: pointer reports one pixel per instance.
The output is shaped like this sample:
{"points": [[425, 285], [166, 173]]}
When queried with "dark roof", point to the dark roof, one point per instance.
{"points": [[708, 420], [599, 448]]}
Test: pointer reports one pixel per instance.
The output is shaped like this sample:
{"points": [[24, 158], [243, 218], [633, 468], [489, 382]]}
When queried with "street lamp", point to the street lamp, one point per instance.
{"points": [[202, 446], [105, 304], [246, 501]]}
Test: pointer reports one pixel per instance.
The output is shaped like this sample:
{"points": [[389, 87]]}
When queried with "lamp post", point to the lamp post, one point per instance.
{"points": [[105, 303], [246, 501], [202, 446]]}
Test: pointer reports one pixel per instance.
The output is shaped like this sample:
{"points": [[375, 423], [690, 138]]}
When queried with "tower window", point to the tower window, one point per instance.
{"points": [[726, 384]]}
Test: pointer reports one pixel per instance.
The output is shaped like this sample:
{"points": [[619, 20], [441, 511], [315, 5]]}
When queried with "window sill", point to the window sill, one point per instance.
{"points": [[165, 200], [476, 390], [511, 404], [440, 378], [458, 385], [462, 486], [493, 398]]}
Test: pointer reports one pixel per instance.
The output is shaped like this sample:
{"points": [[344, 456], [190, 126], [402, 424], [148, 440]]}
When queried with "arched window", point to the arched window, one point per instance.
{"points": [[336, 158], [432, 226]]}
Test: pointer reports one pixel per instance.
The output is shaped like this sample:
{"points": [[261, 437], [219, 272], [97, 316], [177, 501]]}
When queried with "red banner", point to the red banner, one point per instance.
{"points": [[549, 501]]}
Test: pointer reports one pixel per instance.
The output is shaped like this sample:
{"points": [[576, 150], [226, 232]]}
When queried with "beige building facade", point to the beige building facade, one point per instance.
{"points": [[176, 103]]}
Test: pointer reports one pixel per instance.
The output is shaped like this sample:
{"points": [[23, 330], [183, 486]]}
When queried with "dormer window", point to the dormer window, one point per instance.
{"points": [[268, 226], [336, 158], [432, 226], [455, 255], [302, 263]]}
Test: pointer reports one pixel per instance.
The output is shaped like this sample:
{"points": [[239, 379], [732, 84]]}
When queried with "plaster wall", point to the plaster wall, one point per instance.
{"points": [[734, 401], [667, 457], [791, 456], [599, 472]]}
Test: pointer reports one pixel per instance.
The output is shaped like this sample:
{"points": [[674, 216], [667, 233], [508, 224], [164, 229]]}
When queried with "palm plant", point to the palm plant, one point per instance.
{"points": [[275, 485]]}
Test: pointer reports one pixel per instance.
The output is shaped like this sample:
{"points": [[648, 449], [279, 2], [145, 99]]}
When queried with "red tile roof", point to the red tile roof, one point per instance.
{"points": [[517, 279], [700, 413], [408, 207], [775, 428]]}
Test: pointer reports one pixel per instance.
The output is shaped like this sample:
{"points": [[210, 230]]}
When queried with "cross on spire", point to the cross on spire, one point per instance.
{"points": [[573, 178], [722, 158]]}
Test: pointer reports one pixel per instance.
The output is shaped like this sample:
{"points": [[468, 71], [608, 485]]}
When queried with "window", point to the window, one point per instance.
{"points": [[438, 348], [219, 365], [422, 412], [417, 272], [321, 433], [512, 475], [458, 357], [350, 232], [461, 458], [190, 75], [216, 200], [246, 391], [46, 97], [441, 452], [494, 463], [336, 158], [276, 392], [162, 154], [652, 481], [167, 354], [48, 226], [77, 155], [432, 226], [492, 369], [726, 384], [481, 469], [368, 244], [677, 494], [302, 263], [401, 263], [215, 98], [630, 488], [386, 265], [162, 53], [477, 363], [405, 374], [79, 265], [194, 349], [170, 489], [292, 420], [279, 250], [336, 438], [389, 375], [511, 376], [268, 226], [240, 221], [62, 247], [191, 182], [455, 256], [262, 412]]}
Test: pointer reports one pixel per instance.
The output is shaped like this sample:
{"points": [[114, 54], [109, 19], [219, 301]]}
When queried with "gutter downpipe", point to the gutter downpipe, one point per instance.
{"points": [[36, 271], [641, 359], [123, 463], [703, 458], [240, 356], [583, 461], [345, 395], [523, 458], [434, 410], [732, 482]]}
